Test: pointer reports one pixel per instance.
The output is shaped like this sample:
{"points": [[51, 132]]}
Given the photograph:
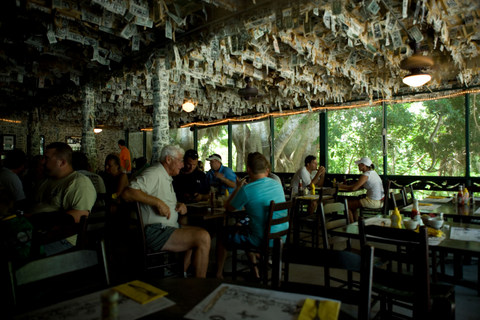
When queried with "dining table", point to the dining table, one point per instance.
{"points": [[450, 209], [191, 298], [459, 238]]}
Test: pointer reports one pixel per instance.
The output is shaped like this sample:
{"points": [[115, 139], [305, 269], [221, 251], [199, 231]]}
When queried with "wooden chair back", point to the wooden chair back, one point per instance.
{"points": [[334, 259], [408, 195], [408, 248], [275, 239], [331, 216]]}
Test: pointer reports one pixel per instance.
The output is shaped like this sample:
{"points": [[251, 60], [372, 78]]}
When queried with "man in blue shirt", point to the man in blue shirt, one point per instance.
{"points": [[220, 177], [255, 197]]}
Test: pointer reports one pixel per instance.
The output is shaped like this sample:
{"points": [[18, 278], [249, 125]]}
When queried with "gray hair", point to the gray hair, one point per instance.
{"points": [[172, 151]]}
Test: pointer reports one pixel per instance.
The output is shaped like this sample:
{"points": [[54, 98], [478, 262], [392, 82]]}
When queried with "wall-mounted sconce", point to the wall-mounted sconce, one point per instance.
{"points": [[97, 130]]}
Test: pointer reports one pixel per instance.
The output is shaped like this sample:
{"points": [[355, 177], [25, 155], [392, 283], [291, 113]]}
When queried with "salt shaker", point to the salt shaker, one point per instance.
{"points": [[110, 305]]}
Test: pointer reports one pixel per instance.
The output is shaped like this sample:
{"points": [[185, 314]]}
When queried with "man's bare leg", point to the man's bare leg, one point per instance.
{"points": [[188, 238], [221, 257]]}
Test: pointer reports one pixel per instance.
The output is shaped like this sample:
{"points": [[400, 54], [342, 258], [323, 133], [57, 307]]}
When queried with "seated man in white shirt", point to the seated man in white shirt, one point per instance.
{"points": [[153, 188], [311, 174]]}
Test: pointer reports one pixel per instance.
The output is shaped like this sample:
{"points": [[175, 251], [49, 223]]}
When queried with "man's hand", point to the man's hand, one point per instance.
{"points": [[321, 170], [181, 208], [219, 175], [163, 209], [241, 182]]}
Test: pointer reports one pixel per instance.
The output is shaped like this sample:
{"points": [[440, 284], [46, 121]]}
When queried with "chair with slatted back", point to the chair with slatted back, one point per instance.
{"points": [[342, 262], [400, 287], [271, 245], [164, 263], [331, 216], [408, 195], [62, 266]]}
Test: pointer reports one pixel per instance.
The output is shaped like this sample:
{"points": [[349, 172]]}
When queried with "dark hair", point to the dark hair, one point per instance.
{"points": [[80, 161], [114, 157], [14, 159], [121, 142], [309, 159], [371, 167], [62, 151], [257, 162], [192, 154]]}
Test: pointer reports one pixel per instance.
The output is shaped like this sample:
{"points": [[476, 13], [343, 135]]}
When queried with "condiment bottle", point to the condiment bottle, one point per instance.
{"points": [[415, 210], [313, 189], [460, 199], [466, 196], [110, 305], [300, 187], [396, 219]]}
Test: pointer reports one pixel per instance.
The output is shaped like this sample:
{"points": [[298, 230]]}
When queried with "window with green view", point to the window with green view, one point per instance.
{"points": [[353, 134], [296, 137], [427, 138], [249, 137]]}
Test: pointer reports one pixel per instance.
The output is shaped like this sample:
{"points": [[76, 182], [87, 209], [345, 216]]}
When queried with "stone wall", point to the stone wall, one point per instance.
{"points": [[106, 141]]}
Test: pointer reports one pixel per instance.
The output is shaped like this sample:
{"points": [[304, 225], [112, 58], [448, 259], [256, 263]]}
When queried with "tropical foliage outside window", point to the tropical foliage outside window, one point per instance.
{"points": [[182, 137], [475, 135], [427, 138], [213, 140], [296, 137], [247, 138], [352, 134]]}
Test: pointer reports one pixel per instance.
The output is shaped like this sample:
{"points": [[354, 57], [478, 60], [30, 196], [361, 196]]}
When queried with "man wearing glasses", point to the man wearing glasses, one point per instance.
{"points": [[159, 207], [191, 184]]}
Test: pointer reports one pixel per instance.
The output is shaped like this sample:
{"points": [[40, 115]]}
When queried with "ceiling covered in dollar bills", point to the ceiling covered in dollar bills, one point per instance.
{"points": [[297, 54]]}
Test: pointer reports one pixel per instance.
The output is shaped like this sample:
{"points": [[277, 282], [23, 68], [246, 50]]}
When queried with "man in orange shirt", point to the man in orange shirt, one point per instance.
{"points": [[125, 161]]}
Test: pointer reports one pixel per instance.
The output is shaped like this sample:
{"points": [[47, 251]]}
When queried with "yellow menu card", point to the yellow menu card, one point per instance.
{"points": [[140, 291], [325, 309]]}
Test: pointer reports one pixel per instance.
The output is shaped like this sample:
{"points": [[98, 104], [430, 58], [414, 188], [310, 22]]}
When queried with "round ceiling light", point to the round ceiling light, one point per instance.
{"points": [[188, 106]]}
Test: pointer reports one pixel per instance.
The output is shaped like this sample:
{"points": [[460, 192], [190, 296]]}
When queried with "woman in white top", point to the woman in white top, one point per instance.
{"points": [[369, 180]]}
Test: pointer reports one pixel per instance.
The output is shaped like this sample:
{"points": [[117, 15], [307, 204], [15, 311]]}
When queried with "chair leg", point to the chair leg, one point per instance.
{"points": [[234, 264], [105, 263]]}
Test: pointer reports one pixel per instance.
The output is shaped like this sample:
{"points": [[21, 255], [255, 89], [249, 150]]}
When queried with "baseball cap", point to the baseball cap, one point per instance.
{"points": [[215, 157], [192, 154], [365, 160]]}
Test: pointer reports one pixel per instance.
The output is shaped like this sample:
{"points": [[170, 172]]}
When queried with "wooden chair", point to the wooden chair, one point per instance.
{"points": [[408, 195], [65, 265], [396, 286], [331, 216], [333, 259], [271, 245], [164, 263]]}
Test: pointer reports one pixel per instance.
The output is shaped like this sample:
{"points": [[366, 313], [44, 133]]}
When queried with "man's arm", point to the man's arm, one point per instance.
{"points": [[229, 183], [319, 177], [130, 195], [239, 185], [77, 214]]}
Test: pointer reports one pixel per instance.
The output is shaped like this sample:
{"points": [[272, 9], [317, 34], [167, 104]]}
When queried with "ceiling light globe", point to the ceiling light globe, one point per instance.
{"points": [[417, 80], [188, 106]]}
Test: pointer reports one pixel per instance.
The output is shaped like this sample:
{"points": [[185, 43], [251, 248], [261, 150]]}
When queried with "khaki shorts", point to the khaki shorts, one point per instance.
{"points": [[372, 204]]}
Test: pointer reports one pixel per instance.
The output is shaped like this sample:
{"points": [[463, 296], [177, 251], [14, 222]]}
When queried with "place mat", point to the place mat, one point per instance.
{"points": [[238, 302], [464, 234], [90, 307], [437, 199], [422, 207]]}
